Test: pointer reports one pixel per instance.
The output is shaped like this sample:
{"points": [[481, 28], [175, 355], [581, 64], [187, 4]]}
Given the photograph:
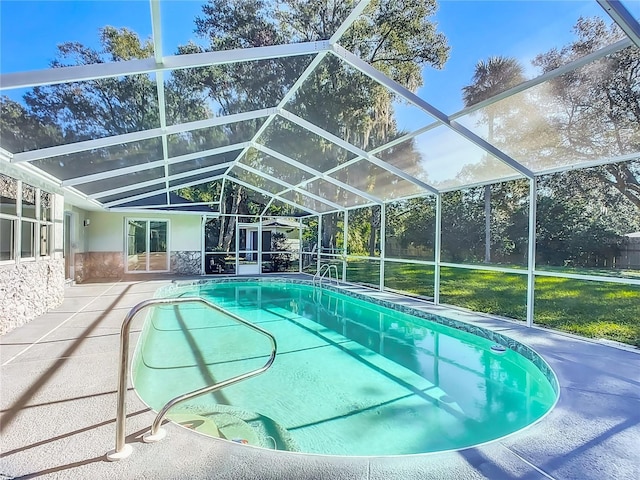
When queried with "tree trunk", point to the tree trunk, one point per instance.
{"points": [[372, 242], [375, 224], [228, 234], [328, 234], [231, 224], [223, 207]]}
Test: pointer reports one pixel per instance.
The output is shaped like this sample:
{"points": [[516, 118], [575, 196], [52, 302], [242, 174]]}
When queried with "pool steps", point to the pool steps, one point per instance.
{"points": [[121, 449]]}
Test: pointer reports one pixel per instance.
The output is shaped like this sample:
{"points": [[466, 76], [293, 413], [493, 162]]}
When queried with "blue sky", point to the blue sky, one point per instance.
{"points": [[32, 29], [475, 30]]}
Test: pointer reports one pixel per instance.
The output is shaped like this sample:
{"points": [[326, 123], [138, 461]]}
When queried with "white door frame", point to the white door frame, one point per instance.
{"points": [[147, 244], [72, 246]]}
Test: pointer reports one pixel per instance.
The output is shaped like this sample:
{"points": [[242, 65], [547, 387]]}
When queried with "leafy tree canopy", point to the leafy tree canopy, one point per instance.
{"points": [[600, 104]]}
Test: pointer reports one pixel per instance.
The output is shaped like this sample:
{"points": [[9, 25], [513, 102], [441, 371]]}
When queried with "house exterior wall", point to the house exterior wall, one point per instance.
{"points": [[104, 255], [32, 286], [630, 252], [74, 262]]}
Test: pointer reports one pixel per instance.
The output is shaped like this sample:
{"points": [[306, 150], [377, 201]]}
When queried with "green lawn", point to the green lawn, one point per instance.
{"points": [[587, 308]]}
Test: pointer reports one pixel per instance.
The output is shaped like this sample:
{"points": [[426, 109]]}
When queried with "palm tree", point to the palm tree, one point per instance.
{"points": [[490, 78]]}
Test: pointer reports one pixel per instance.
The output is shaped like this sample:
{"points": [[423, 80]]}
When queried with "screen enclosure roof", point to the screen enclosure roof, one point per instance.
{"points": [[318, 121]]}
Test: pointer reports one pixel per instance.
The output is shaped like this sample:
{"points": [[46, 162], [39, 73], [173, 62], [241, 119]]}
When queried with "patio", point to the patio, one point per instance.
{"points": [[59, 375]]}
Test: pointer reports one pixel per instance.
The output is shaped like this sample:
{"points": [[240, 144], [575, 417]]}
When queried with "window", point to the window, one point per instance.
{"points": [[7, 236], [26, 221], [28, 201], [27, 246], [8, 195], [45, 206], [147, 245], [45, 244]]}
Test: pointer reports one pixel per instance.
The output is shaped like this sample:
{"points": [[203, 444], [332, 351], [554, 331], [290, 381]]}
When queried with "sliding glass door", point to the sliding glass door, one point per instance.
{"points": [[147, 245]]}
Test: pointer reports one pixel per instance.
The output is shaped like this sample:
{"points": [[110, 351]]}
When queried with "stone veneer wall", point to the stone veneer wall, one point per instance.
{"points": [[29, 289], [98, 265], [186, 262], [91, 265]]}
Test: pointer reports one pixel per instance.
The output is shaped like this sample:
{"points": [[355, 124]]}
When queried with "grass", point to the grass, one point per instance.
{"points": [[588, 308], [591, 309], [409, 277]]}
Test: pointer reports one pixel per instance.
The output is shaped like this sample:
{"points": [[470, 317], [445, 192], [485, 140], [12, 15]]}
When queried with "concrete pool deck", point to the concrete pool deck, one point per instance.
{"points": [[58, 401]]}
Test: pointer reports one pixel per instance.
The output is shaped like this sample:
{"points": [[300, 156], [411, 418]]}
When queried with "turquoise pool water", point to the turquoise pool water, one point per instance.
{"points": [[350, 377]]}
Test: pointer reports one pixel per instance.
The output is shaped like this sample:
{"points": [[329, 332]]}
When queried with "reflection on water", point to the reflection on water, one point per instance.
{"points": [[345, 367]]}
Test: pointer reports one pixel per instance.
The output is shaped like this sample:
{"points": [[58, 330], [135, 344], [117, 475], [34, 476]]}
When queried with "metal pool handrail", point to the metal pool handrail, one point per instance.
{"points": [[328, 268], [123, 450]]}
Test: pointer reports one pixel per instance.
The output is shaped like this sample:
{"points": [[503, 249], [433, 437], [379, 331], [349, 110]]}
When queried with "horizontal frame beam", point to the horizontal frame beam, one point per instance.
{"points": [[200, 181], [157, 210], [80, 73], [317, 174], [288, 186], [568, 67], [166, 180], [140, 196], [411, 97], [590, 163], [361, 153], [86, 145], [191, 173], [272, 196], [158, 163], [111, 173]]}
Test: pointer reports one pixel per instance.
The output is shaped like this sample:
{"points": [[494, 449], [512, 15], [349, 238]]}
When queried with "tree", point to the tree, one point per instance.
{"points": [[599, 198], [23, 131], [280, 252], [361, 232], [332, 232], [596, 108], [397, 38], [569, 235], [72, 112], [400, 39], [410, 228], [462, 225], [102, 107], [490, 78]]}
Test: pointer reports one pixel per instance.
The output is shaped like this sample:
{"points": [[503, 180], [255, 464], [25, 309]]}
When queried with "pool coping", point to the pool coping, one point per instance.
{"points": [[58, 412], [507, 342]]}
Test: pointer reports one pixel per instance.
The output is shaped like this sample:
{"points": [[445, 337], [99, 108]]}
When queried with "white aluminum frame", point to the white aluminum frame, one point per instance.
{"points": [[268, 194], [412, 98], [361, 154], [80, 73], [159, 64], [620, 15], [316, 175], [147, 244]]}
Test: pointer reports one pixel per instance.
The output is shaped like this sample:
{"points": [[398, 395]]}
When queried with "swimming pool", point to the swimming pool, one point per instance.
{"points": [[351, 377]]}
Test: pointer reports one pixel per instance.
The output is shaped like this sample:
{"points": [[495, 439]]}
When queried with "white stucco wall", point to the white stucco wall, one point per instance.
{"points": [[186, 234], [78, 233], [105, 232]]}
